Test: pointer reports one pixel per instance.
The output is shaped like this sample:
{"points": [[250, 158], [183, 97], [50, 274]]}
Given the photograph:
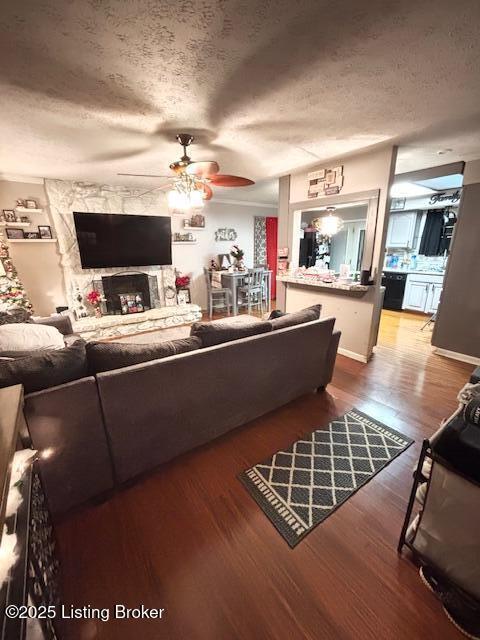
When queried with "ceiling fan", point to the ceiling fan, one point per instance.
{"points": [[191, 180]]}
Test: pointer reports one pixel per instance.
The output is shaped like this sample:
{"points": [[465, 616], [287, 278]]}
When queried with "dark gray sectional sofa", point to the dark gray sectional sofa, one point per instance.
{"points": [[100, 431]]}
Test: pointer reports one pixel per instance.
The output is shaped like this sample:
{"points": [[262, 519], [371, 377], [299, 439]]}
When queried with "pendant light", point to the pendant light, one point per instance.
{"points": [[328, 225]]}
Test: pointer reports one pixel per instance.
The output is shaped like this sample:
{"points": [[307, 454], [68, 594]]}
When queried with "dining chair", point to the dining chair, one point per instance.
{"points": [[215, 294], [252, 289]]}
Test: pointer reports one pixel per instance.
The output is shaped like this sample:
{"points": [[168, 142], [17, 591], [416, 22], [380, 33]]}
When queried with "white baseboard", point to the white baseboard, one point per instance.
{"points": [[352, 355], [456, 356]]}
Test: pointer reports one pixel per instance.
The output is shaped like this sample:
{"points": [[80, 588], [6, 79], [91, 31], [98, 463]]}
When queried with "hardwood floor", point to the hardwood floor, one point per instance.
{"points": [[190, 539]]}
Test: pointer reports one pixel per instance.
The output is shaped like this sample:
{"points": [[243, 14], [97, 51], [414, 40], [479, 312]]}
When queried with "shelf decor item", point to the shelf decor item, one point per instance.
{"points": [[14, 233], [9, 215], [94, 297], [45, 231], [31, 204], [237, 254], [183, 296], [184, 237], [196, 221], [31, 235]]}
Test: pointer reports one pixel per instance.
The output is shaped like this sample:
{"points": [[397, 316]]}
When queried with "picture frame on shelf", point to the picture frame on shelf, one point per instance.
{"points": [[31, 204], [45, 231], [14, 234], [25, 219], [197, 221], [31, 235], [9, 215], [183, 296]]}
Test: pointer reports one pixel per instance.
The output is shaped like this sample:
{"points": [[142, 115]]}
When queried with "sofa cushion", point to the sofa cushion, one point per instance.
{"points": [[46, 368], [297, 317], [24, 336], [106, 356], [219, 331]]}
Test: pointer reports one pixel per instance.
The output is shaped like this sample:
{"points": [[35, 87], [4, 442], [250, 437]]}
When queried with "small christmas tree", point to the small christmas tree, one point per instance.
{"points": [[12, 294]]}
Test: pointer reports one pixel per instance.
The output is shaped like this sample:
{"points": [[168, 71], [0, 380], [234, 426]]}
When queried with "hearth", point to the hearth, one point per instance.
{"points": [[131, 284]]}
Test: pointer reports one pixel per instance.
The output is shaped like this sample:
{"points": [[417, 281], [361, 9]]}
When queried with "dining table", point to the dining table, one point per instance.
{"points": [[234, 279]]}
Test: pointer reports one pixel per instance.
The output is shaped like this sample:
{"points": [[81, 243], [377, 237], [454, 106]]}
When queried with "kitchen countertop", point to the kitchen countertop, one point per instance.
{"points": [[416, 271], [353, 287]]}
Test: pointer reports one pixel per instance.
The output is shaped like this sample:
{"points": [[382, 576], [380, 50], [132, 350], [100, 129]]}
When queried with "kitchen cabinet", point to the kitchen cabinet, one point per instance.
{"points": [[422, 292], [401, 230], [433, 298]]}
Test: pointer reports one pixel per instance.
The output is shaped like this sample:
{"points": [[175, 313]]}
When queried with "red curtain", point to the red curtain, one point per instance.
{"points": [[271, 226]]}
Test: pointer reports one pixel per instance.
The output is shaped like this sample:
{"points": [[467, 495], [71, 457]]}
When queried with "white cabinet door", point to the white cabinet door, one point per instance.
{"points": [[415, 296], [433, 298], [401, 230]]}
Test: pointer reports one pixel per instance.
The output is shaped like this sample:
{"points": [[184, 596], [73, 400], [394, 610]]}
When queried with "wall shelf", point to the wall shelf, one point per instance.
{"points": [[186, 226], [27, 240], [26, 210], [184, 242], [15, 224]]}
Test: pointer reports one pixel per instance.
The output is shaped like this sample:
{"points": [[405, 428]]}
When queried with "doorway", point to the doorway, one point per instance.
{"points": [[423, 213]]}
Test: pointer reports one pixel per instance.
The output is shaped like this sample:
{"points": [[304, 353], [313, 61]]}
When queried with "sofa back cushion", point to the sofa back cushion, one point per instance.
{"points": [[151, 416], [45, 369], [218, 332], [297, 317], [107, 356]]}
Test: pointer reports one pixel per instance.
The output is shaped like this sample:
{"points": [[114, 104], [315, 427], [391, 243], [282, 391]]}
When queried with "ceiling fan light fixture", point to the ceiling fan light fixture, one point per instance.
{"points": [[184, 200]]}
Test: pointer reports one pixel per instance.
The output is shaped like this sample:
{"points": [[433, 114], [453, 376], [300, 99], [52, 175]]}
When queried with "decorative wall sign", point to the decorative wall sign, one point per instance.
{"points": [[224, 234], [325, 182], [445, 197]]}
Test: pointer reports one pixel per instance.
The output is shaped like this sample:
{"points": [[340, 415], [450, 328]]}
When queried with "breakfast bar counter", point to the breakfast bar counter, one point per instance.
{"points": [[355, 307], [351, 287]]}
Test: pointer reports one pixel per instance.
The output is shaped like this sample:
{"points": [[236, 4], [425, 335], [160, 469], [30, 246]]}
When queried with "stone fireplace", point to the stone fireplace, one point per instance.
{"points": [[132, 283], [66, 196]]}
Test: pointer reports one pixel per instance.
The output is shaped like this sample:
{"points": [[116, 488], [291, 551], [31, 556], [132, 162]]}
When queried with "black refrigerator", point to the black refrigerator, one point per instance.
{"points": [[308, 249]]}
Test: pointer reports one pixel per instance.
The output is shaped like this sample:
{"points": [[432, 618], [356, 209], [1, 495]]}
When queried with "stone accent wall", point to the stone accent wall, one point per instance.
{"points": [[65, 197]]}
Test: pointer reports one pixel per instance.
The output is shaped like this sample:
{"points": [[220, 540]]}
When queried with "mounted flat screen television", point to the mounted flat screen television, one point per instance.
{"points": [[118, 240]]}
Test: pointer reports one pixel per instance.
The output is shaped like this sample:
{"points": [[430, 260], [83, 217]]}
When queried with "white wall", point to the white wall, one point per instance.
{"points": [[356, 317], [38, 265], [191, 259]]}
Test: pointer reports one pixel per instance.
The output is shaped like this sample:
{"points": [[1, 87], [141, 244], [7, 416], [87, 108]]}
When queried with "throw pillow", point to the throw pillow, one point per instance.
{"points": [[29, 337], [15, 315], [106, 356], [45, 369], [276, 313], [297, 317], [217, 332]]}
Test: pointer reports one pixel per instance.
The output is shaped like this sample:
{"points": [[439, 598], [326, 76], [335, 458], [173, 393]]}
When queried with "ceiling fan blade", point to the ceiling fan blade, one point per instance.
{"points": [[221, 180], [144, 175], [202, 169]]}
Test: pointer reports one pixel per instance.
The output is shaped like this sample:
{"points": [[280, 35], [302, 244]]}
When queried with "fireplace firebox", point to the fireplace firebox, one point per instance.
{"points": [[125, 284]]}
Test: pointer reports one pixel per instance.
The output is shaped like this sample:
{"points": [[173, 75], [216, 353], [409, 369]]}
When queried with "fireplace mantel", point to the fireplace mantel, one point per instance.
{"points": [[111, 326]]}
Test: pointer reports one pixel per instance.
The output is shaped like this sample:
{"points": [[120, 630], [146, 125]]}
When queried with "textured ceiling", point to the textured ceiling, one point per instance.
{"points": [[93, 88]]}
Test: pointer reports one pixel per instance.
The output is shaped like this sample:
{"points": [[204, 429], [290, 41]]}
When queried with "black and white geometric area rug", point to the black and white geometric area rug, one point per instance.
{"points": [[298, 488]]}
